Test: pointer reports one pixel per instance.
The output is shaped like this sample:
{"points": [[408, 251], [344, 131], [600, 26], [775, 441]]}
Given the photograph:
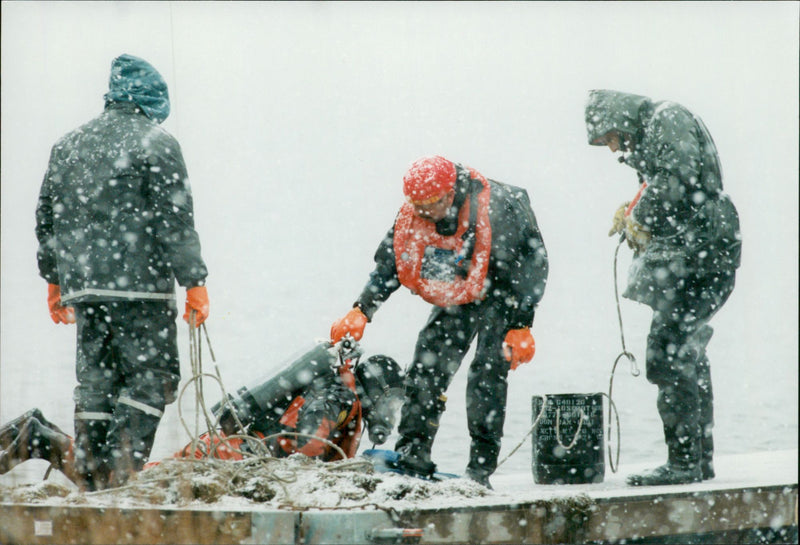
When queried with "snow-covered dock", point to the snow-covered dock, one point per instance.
{"points": [[752, 500]]}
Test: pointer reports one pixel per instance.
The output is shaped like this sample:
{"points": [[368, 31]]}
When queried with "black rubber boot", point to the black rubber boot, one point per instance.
{"points": [[483, 455], [130, 439], [416, 465], [91, 463], [479, 477], [706, 415], [707, 458], [418, 429], [682, 435], [668, 473], [683, 462]]}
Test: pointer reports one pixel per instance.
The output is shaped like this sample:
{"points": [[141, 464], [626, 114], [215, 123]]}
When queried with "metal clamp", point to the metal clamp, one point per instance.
{"points": [[348, 349]]}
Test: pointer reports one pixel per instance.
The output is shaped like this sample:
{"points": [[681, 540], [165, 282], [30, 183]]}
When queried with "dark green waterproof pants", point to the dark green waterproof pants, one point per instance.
{"points": [[128, 370], [441, 346], [678, 365]]}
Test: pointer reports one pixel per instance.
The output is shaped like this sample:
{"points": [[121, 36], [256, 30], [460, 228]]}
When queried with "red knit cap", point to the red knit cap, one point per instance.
{"points": [[429, 179]]}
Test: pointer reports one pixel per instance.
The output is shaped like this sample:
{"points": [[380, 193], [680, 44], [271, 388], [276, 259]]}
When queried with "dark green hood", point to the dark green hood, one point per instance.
{"points": [[612, 111]]}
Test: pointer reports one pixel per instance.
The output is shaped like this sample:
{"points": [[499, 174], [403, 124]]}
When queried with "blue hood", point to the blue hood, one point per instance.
{"points": [[135, 80]]}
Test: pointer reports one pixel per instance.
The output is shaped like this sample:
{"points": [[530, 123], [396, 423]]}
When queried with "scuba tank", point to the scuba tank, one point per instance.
{"points": [[259, 405]]}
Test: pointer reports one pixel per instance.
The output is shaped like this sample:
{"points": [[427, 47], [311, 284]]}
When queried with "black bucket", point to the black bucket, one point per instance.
{"points": [[568, 442]]}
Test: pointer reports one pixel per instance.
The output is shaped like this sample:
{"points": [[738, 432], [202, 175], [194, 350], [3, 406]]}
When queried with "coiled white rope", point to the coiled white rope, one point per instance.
{"points": [[258, 446]]}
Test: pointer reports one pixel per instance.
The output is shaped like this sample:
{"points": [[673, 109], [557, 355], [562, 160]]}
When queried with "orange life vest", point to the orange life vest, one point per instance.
{"points": [[412, 235]]}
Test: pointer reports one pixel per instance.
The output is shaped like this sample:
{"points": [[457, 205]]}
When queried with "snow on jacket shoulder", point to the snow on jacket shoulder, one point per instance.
{"points": [[115, 212], [683, 204]]}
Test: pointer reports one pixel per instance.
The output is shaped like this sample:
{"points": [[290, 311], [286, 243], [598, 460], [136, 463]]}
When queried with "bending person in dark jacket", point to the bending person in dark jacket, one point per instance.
{"points": [[115, 225], [471, 247], [685, 233]]}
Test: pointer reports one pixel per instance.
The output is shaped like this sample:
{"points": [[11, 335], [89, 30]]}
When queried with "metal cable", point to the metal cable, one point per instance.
{"points": [[258, 452], [624, 354]]}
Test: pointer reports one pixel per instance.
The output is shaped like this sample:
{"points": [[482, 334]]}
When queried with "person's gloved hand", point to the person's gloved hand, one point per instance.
{"points": [[519, 346], [618, 223], [197, 300], [59, 313], [637, 235], [353, 323]]}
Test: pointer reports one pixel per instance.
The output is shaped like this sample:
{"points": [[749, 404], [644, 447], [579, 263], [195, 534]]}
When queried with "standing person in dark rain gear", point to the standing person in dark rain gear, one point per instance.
{"points": [[685, 233], [471, 247], [115, 225]]}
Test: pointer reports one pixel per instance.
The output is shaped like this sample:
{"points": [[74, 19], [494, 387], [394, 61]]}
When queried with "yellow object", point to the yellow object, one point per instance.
{"points": [[637, 235], [618, 223]]}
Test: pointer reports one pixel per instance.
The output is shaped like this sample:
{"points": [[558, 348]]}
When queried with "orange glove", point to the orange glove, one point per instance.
{"points": [[197, 300], [353, 323], [519, 346], [60, 314]]}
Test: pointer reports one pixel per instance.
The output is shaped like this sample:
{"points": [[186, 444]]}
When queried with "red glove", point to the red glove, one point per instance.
{"points": [[60, 314], [519, 346], [197, 300], [353, 323]]}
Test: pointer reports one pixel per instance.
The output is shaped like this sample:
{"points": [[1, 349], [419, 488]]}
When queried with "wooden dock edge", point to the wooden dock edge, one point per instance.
{"points": [[766, 514], [659, 518]]}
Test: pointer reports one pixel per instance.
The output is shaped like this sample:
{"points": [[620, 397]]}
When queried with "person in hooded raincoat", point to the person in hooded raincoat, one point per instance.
{"points": [[115, 225], [471, 247], [685, 234]]}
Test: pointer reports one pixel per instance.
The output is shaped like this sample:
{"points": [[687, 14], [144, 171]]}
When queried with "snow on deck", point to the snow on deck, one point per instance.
{"points": [[330, 503], [757, 469]]}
